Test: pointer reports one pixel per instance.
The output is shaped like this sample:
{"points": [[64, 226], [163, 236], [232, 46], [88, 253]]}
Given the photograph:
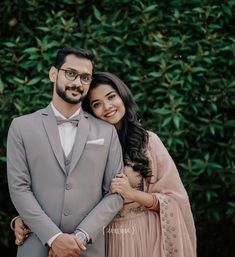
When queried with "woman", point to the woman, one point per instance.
{"points": [[156, 220]]}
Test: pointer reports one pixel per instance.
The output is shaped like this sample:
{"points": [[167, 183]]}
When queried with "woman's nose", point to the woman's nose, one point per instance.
{"points": [[107, 105]]}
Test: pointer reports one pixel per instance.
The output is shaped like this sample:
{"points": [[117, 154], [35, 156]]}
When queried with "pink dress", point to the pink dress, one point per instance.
{"points": [[138, 232]]}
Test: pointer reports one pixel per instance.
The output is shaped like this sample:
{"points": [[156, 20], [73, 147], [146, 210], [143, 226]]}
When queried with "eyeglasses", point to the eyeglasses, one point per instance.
{"points": [[72, 75]]}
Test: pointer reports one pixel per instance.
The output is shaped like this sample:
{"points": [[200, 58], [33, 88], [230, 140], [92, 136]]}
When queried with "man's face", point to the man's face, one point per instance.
{"points": [[72, 80]]}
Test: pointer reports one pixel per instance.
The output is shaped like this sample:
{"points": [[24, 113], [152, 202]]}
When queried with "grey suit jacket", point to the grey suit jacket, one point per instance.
{"points": [[48, 199]]}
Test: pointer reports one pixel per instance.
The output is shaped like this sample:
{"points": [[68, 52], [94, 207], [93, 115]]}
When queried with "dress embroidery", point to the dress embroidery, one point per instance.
{"points": [[169, 231]]}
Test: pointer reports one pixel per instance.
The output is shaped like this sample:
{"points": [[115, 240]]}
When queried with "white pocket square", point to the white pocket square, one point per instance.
{"points": [[96, 142]]}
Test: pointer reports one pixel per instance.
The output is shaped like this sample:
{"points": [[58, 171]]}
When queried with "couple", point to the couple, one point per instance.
{"points": [[68, 183]]}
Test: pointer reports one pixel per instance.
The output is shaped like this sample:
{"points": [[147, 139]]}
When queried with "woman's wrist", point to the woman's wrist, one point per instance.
{"points": [[12, 223], [149, 200], [155, 203], [132, 195]]}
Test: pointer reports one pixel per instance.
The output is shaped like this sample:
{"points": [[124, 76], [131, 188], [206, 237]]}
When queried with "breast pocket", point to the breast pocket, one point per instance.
{"points": [[94, 147], [94, 154]]}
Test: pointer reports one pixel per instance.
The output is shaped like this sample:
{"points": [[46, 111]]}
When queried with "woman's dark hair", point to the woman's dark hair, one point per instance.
{"points": [[133, 137]]}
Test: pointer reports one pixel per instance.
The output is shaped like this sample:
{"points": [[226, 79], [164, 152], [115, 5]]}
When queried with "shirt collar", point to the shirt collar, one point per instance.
{"points": [[58, 114]]}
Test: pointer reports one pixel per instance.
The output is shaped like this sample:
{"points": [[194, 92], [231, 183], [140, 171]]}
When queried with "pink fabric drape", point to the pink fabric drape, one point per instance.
{"points": [[175, 220]]}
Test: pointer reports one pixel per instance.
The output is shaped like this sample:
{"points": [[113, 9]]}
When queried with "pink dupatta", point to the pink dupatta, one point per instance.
{"points": [[174, 221]]}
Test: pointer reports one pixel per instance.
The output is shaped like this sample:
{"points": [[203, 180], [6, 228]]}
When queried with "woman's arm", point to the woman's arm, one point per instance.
{"points": [[121, 185]]}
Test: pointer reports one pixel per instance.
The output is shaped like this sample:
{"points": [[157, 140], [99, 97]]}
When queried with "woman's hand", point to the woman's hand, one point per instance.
{"points": [[120, 184], [21, 231]]}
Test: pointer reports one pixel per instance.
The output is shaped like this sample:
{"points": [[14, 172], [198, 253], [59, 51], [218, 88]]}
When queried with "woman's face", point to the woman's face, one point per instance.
{"points": [[107, 105]]}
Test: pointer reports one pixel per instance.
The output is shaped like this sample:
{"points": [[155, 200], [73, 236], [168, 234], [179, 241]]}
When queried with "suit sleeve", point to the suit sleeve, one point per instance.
{"points": [[19, 183], [108, 207]]}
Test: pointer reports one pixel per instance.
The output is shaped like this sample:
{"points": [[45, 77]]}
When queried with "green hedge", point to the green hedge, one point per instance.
{"points": [[178, 57]]}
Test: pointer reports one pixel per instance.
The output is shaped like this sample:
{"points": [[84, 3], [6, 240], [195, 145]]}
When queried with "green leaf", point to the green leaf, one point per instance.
{"points": [[150, 8], [1, 86], [31, 50], [9, 44], [227, 10], [44, 29], [153, 58], [155, 74], [18, 80], [33, 81], [176, 121], [162, 111], [97, 13]]}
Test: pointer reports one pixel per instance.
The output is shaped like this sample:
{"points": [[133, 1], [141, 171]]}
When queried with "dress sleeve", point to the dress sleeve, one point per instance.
{"points": [[178, 235]]}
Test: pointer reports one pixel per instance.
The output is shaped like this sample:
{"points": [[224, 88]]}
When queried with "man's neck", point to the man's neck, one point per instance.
{"points": [[66, 109]]}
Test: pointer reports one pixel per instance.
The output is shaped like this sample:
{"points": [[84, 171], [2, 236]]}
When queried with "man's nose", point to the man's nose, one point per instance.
{"points": [[78, 81]]}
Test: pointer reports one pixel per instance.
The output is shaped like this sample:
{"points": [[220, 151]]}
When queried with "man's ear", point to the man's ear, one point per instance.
{"points": [[53, 74]]}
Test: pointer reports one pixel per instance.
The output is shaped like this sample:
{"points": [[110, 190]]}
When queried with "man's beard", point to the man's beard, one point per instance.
{"points": [[66, 98]]}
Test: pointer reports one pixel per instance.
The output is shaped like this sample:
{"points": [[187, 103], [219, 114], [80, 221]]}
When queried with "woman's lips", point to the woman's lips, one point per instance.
{"points": [[110, 114]]}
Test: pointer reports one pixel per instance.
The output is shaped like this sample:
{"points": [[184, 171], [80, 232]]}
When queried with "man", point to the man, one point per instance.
{"points": [[59, 175]]}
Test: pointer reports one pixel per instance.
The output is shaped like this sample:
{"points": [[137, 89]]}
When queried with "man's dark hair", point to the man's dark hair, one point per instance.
{"points": [[79, 52]]}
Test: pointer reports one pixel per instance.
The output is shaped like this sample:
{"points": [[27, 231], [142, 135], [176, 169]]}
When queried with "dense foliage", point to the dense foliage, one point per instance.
{"points": [[178, 58]]}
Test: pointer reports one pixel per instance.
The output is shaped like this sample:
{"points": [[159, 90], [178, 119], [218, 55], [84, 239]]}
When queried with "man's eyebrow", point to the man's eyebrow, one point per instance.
{"points": [[72, 69]]}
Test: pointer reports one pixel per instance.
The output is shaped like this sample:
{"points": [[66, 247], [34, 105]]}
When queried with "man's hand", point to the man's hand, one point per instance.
{"points": [[66, 245]]}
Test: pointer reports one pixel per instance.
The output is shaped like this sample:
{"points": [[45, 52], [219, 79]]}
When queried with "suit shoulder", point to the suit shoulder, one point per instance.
{"points": [[27, 117], [97, 122]]}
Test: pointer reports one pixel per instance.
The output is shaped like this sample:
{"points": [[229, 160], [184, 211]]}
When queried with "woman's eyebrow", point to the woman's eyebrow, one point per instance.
{"points": [[105, 96]]}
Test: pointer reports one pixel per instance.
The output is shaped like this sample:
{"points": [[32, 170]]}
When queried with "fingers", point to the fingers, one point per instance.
{"points": [[51, 253], [65, 245], [119, 181], [115, 190], [19, 223], [119, 175], [116, 187], [21, 232], [21, 235], [18, 242], [81, 245], [19, 239], [122, 186]]}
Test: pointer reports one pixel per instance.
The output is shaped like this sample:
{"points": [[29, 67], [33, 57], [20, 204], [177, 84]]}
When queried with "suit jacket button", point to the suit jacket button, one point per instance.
{"points": [[66, 213], [68, 186]]}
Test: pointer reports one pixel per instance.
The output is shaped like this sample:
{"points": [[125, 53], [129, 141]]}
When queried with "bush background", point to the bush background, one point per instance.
{"points": [[178, 59]]}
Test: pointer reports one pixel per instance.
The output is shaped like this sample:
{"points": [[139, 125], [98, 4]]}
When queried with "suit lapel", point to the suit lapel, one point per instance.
{"points": [[49, 121], [80, 139]]}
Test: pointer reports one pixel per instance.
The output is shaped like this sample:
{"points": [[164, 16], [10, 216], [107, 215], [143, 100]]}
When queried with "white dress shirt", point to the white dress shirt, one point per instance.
{"points": [[67, 131]]}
